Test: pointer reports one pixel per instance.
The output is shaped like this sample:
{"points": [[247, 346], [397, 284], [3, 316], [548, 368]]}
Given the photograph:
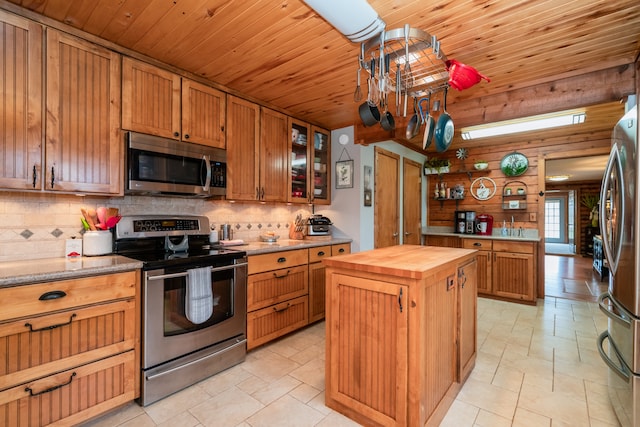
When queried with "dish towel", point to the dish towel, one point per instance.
{"points": [[198, 301]]}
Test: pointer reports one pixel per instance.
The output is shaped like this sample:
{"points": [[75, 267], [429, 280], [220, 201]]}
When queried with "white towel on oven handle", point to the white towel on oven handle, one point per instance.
{"points": [[198, 301]]}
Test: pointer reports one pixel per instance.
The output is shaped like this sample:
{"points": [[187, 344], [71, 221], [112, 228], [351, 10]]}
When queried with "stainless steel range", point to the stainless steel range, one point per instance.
{"points": [[194, 302]]}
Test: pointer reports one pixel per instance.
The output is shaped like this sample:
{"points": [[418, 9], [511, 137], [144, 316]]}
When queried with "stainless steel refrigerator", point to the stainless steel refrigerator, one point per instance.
{"points": [[619, 345]]}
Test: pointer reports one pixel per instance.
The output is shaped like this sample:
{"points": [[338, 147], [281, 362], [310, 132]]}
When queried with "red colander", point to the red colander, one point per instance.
{"points": [[463, 76]]}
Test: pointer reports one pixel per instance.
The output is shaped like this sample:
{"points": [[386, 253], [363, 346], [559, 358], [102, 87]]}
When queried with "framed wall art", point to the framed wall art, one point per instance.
{"points": [[344, 174]]}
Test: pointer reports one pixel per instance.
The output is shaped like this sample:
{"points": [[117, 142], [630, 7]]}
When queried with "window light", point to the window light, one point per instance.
{"points": [[356, 19], [543, 121], [558, 177]]}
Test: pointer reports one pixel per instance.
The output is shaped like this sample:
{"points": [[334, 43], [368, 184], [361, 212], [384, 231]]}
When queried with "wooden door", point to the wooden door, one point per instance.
{"points": [[467, 312], [83, 140], [243, 133], [367, 366], [411, 201], [203, 114], [150, 99], [21, 103], [274, 156], [485, 267], [387, 199]]}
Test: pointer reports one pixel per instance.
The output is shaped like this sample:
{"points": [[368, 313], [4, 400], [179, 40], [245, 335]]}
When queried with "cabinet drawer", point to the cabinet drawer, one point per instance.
{"points": [[72, 396], [277, 260], [271, 322], [511, 246], [341, 249], [272, 287], [30, 300], [479, 244], [316, 254], [36, 346]]}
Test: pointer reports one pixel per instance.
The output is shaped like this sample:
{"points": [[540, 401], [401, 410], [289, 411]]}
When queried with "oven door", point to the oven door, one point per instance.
{"points": [[168, 334]]}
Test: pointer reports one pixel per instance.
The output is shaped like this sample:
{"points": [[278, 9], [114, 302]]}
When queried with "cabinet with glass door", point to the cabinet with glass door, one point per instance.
{"points": [[321, 149], [299, 166], [310, 160]]}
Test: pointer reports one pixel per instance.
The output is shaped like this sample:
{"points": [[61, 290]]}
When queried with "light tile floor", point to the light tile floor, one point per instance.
{"points": [[536, 366]]}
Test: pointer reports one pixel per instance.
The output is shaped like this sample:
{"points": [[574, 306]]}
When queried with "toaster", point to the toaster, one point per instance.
{"points": [[318, 225]]}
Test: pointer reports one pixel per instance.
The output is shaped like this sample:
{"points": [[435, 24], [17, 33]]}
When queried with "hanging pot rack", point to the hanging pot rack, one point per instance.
{"points": [[426, 60]]}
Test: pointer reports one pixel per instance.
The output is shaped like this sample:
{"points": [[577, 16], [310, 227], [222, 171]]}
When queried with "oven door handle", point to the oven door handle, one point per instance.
{"points": [[186, 273]]}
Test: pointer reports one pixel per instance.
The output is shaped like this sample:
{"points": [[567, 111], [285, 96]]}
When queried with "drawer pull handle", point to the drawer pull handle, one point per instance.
{"points": [[477, 244], [282, 259], [55, 387], [282, 275], [280, 310], [321, 253], [47, 328], [52, 295], [341, 250]]}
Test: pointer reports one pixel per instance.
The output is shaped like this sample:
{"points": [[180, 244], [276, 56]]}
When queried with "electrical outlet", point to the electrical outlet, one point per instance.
{"points": [[532, 216]]}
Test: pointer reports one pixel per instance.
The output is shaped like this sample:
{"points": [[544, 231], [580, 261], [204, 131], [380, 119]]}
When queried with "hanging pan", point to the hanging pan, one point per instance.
{"points": [[369, 112], [444, 128], [429, 127]]}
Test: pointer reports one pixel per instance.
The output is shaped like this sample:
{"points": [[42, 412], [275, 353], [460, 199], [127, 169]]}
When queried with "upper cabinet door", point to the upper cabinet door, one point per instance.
{"points": [[203, 114], [83, 139], [150, 99], [274, 156], [321, 183], [20, 103], [243, 132], [299, 179]]}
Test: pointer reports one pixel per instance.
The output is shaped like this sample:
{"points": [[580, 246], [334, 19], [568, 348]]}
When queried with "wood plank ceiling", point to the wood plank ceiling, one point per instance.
{"points": [[283, 54]]}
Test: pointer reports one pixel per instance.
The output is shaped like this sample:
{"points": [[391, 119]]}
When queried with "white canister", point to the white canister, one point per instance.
{"points": [[97, 243]]}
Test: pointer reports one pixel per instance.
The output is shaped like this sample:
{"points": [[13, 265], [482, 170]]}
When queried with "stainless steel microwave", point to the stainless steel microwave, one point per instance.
{"points": [[162, 166]]}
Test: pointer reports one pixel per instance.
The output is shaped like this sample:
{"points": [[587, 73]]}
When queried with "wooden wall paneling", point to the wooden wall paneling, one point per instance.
{"points": [[21, 103]]}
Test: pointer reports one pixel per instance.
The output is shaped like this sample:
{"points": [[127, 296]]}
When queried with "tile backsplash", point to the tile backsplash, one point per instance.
{"points": [[36, 226]]}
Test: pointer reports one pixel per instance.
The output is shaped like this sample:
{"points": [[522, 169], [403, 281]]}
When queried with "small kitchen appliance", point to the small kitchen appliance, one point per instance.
{"points": [[470, 221], [460, 224], [484, 225], [182, 340], [318, 225]]}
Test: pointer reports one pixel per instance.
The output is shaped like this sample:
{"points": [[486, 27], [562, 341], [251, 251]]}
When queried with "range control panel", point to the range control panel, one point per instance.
{"points": [[158, 226], [165, 225]]}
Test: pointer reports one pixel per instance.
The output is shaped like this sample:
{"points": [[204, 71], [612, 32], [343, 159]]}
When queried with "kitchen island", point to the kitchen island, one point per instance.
{"points": [[401, 332]]}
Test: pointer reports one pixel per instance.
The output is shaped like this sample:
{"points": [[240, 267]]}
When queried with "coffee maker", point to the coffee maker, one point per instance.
{"points": [[460, 223], [471, 222], [485, 225]]}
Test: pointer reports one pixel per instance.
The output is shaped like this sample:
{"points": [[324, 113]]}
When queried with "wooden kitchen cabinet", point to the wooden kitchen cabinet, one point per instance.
{"points": [[277, 295], [317, 279], [484, 261], [68, 349], [159, 102], [21, 112], [467, 320], [84, 146], [443, 241], [514, 274], [398, 340], [252, 129], [309, 168]]}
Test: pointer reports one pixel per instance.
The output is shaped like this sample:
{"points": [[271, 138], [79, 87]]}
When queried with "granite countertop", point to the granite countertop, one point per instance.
{"points": [[529, 235], [23, 272], [257, 248]]}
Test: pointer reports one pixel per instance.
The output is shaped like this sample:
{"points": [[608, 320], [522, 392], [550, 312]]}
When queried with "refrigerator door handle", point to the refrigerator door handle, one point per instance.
{"points": [[619, 368], [617, 315], [610, 196]]}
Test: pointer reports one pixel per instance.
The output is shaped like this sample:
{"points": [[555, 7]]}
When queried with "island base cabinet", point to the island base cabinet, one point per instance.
{"points": [[72, 396], [366, 362]]}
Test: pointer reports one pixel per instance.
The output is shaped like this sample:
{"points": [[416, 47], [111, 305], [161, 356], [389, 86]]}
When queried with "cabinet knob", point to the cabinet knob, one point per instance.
{"points": [[186, 136], [176, 134]]}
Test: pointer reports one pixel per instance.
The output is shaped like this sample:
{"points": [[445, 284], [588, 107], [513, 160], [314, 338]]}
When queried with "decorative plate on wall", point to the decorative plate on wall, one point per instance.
{"points": [[514, 164]]}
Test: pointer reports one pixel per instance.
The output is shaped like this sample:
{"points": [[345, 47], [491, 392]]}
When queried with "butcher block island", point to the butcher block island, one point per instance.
{"points": [[401, 333]]}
